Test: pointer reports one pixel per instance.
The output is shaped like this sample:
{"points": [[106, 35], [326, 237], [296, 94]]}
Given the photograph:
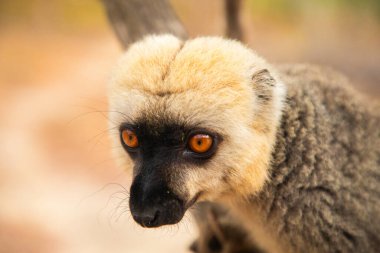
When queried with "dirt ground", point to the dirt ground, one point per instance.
{"points": [[60, 190]]}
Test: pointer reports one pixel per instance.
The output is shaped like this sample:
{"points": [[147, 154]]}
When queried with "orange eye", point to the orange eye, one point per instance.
{"points": [[130, 138], [200, 143]]}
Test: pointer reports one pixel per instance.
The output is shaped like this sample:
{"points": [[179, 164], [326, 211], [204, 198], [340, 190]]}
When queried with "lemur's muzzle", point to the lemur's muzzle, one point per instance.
{"points": [[152, 204]]}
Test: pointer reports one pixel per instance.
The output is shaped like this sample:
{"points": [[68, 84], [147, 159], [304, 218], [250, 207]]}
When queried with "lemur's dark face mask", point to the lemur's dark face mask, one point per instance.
{"points": [[161, 154]]}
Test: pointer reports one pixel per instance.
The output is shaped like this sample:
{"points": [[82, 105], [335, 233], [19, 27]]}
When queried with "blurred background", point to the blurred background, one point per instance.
{"points": [[60, 190]]}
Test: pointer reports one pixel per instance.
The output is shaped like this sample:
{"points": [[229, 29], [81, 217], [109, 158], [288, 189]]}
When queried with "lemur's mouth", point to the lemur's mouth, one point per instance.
{"points": [[193, 200]]}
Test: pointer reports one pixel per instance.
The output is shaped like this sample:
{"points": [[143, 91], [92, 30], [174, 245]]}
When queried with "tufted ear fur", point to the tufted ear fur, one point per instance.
{"points": [[263, 82], [263, 76], [269, 93]]}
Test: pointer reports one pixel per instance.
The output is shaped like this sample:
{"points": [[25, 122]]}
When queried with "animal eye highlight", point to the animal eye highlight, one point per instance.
{"points": [[129, 138], [200, 143]]}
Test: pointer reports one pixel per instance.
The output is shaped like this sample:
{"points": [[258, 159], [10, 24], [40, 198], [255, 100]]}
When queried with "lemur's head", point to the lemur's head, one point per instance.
{"points": [[197, 121]]}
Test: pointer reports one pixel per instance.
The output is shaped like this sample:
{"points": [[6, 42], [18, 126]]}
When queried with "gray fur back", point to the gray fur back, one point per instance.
{"points": [[324, 192]]}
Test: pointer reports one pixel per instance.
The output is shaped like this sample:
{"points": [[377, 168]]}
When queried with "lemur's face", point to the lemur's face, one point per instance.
{"points": [[195, 122]]}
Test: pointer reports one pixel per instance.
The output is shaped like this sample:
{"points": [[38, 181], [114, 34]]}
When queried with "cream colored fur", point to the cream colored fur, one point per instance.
{"points": [[207, 82]]}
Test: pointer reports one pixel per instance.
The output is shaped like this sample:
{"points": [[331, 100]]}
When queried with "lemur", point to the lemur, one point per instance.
{"points": [[290, 151]]}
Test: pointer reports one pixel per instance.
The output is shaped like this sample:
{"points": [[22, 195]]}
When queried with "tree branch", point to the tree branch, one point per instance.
{"points": [[232, 8], [133, 19]]}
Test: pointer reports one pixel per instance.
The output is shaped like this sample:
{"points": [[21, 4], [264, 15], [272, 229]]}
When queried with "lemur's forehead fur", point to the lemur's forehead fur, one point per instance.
{"points": [[208, 83], [196, 75]]}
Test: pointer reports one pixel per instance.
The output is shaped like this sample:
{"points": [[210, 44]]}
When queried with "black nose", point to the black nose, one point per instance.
{"points": [[154, 205], [157, 211], [155, 215], [148, 218]]}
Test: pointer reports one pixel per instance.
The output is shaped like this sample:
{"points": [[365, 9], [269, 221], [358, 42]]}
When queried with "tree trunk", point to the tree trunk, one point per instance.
{"points": [[133, 19], [232, 8]]}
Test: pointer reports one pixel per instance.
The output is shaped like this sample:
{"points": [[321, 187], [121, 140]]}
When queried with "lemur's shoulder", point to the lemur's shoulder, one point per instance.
{"points": [[324, 82], [325, 165]]}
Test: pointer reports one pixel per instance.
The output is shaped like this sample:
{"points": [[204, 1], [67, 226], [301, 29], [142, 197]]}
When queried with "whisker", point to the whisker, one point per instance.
{"points": [[101, 112], [102, 133], [121, 215], [94, 166], [99, 139], [118, 207], [112, 196], [97, 191]]}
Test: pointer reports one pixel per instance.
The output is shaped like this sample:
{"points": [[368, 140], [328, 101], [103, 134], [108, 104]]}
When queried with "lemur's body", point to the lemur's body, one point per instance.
{"points": [[300, 169], [324, 192], [324, 175]]}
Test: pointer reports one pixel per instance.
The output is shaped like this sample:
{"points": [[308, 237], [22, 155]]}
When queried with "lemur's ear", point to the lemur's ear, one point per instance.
{"points": [[263, 77], [263, 82]]}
